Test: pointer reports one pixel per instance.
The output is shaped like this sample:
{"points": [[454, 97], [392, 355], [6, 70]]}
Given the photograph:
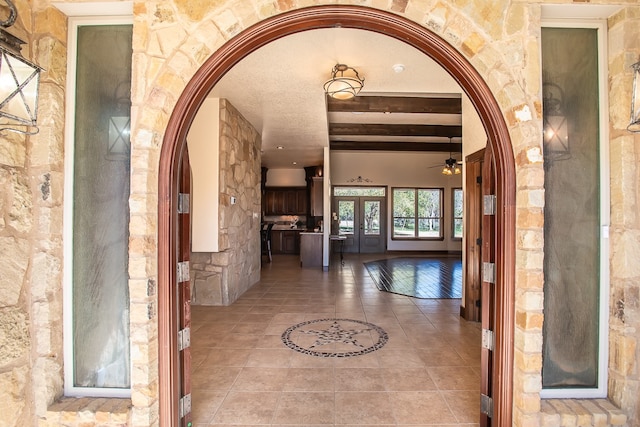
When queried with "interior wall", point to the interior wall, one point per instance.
{"points": [[219, 278], [400, 169], [203, 142]]}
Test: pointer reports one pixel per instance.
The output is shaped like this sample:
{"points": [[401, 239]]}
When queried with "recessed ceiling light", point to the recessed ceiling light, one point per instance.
{"points": [[398, 68], [294, 163], [279, 147]]}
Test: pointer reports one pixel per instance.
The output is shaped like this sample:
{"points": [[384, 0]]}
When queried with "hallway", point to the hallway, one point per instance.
{"points": [[426, 374]]}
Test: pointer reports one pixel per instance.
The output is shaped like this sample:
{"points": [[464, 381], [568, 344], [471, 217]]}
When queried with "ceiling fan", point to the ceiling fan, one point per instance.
{"points": [[451, 165]]}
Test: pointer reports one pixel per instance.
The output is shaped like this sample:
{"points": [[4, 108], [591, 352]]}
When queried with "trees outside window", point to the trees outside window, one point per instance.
{"points": [[417, 213], [457, 213]]}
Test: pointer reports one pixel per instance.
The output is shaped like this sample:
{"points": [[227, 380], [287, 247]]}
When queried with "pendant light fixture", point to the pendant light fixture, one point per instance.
{"points": [[19, 80], [345, 82]]}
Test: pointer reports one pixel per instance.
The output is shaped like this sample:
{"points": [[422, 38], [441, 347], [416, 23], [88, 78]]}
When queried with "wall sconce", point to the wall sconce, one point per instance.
{"points": [[19, 80], [556, 132], [120, 124], [634, 125], [345, 82]]}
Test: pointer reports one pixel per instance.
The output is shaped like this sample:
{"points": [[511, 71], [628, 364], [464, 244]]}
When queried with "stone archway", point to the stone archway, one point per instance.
{"points": [[356, 17]]}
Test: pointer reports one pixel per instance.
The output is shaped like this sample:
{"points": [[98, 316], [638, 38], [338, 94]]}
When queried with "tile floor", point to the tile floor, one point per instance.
{"points": [[426, 374]]}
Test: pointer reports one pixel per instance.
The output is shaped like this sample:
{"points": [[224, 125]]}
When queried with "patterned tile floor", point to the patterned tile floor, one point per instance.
{"points": [[426, 374], [418, 277]]}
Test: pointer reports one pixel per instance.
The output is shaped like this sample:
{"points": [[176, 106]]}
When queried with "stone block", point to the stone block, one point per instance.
{"points": [[208, 291], [14, 330]]}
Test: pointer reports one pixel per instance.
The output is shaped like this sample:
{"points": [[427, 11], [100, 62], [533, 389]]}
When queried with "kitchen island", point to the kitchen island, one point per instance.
{"points": [[311, 249]]}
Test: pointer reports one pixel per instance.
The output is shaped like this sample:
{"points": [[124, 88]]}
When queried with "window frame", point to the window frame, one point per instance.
{"points": [[74, 23], [604, 166], [454, 191], [417, 218]]}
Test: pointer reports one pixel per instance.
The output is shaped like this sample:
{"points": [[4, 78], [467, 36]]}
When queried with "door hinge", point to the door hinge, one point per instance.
{"points": [[183, 203], [486, 405], [488, 339], [479, 179], [489, 204], [479, 241], [184, 338], [183, 272], [488, 272], [184, 406]]}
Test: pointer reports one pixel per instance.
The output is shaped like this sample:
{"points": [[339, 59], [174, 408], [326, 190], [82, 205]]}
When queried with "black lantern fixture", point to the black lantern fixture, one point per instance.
{"points": [[634, 124], [19, 80], [119, 142], [556, 131], [345, 82]]}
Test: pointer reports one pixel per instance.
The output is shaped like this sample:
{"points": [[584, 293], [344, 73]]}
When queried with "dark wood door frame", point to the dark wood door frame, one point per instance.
{"points": [[356, 17]]}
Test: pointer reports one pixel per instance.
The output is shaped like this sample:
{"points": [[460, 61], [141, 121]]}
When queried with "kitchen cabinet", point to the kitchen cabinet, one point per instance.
{"points": [[285, 242], [317, 196], [285, 201]]}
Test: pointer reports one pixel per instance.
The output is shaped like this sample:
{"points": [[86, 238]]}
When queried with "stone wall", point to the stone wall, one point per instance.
{"points": [[220, 278], [172, 39], [624, 312], [31, 189]]}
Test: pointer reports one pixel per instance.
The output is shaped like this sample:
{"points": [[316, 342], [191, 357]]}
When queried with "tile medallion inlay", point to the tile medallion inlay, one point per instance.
{"points": [[335, 337]]}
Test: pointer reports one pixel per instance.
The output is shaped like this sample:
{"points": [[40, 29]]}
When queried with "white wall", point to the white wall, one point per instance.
{"points": [[286, 178], [203, 142], [400, 169]]}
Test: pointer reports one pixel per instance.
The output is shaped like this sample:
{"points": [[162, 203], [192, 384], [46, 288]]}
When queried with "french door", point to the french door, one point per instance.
{"points": [[362, 220]]}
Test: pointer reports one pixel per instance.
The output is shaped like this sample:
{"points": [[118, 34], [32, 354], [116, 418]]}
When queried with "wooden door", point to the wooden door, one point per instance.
{"points": [[488, 287], [183, 292], [473, 238]]}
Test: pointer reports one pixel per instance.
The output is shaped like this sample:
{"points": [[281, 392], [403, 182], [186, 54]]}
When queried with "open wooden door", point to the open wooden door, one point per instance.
{"points": [[183, 291], [488, 301], [473, 217]]}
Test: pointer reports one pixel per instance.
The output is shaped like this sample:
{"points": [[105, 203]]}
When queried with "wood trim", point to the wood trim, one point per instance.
{"points": [[356, 17]]}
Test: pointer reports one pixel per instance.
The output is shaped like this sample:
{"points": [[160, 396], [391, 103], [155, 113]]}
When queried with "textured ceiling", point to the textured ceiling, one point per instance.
{"points": [[279, 90]]}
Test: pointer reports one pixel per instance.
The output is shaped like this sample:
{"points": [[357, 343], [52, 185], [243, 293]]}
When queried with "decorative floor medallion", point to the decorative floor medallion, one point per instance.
{"points": [[335, 337]]}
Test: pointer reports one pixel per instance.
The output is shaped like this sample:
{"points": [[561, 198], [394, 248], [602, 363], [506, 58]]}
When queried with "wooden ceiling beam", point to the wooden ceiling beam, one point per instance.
{"points": [[394, 130], [454, 147], [396, 104]]}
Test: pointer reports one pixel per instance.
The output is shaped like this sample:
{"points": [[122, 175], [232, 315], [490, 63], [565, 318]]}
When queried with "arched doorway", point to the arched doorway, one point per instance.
{"points": [[325, 17]]}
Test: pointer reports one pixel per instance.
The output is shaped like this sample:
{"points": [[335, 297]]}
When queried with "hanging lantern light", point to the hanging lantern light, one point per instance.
{"points": [[19, 81]]}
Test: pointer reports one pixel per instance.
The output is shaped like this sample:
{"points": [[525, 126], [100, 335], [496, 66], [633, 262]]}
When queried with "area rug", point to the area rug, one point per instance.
{"points": [[418, 277], [335, 337]]}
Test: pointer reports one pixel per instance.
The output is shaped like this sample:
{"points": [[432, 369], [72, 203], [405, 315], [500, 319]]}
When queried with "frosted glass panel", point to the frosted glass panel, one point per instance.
{"points": [[572, 213], [100, 208]]}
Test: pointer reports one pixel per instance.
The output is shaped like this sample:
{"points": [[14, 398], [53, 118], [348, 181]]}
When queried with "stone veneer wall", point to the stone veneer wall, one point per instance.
{"points": [[172, 39], [624, 322], [31, 193], [220, 278]]}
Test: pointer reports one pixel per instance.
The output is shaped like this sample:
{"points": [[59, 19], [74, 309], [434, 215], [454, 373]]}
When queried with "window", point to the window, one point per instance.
{"points": [[576, 275], [359, 191], [97, 176], [417, 213], [457, 213]]}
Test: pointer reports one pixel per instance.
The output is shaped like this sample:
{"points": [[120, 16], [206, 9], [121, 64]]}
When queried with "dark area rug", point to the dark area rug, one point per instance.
{"points": [[418, 277]]}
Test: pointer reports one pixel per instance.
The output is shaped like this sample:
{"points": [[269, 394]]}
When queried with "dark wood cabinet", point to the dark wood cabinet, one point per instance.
{"points": [[285, 242], [286, 201]]}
